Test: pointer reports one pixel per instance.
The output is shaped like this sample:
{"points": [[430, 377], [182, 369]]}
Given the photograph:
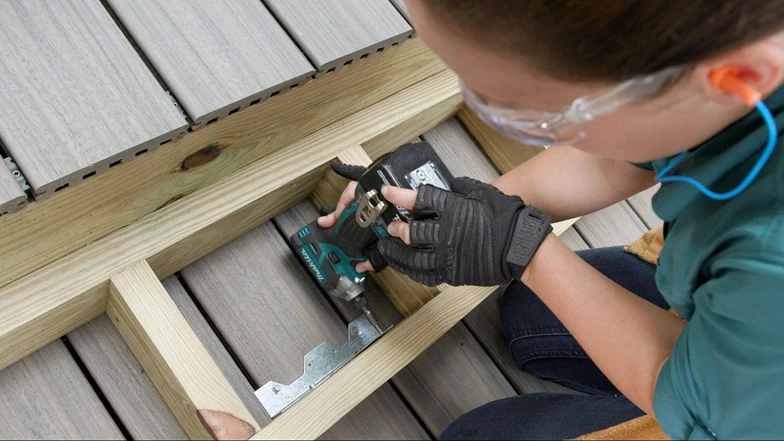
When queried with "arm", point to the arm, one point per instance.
{"points": [[627, 337], [565, 182]]}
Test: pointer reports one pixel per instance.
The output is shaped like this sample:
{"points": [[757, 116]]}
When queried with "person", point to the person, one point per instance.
{"points": [[629, 92]]}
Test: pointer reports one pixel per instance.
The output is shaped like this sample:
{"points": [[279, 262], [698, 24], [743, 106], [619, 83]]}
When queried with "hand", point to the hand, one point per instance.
{"points": [[460, 237], [332, 214]]}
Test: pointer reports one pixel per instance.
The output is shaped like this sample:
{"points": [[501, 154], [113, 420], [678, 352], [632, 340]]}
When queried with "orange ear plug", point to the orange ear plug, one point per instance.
{"points": [[725, 79]]}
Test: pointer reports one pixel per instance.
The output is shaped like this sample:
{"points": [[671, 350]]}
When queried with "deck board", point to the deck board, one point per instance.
{"points": [[335, 32], [130, 391], [450, 378], [215, 56], [46, 396], [463, 157], [271, 314], [11, 195], [616, 225], [76, 96], [641, 204]]}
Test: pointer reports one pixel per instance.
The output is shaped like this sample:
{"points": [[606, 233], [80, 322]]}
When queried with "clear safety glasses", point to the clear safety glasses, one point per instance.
{"points": [[540, 127]]}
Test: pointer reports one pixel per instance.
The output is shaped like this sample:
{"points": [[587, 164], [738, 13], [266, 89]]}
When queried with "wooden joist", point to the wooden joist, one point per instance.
{"points": [[48, 230], [216, 57], [173, 357], [58, 298], [79, 103], [336, 33]]}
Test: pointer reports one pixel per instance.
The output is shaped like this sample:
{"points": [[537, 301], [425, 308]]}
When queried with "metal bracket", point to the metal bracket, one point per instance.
{"points": [[17, 174], [320, 364]]}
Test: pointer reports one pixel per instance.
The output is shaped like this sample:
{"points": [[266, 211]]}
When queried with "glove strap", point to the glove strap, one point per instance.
{"points": [[532, 227]]}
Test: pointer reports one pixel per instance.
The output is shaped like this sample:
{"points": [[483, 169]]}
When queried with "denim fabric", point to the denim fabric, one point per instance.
{"points": [[542, 346]]}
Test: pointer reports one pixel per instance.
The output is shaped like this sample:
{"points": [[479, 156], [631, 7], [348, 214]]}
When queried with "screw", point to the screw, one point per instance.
{"points": [[276, 389], [17, 174]]}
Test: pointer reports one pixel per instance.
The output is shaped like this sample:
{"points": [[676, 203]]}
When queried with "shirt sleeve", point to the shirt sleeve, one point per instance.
{"points": [[723, 379]]}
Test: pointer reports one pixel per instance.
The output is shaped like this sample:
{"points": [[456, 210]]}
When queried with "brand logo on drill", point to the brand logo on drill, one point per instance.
{"points": [[313, 268]]}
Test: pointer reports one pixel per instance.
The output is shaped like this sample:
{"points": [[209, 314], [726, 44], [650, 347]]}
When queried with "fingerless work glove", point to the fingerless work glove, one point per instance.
{"points": [[473, 235]]}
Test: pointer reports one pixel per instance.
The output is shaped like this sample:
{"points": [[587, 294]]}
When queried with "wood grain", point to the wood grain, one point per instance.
{"points": [[46, 396], [341, 393], [47, 230], [429, 383], [12, 198], [76, 96], [334, 33], [58, 298], [642, 205], [173, 357], [616, 225], [215, 56], [271, 313], [505, 153]]}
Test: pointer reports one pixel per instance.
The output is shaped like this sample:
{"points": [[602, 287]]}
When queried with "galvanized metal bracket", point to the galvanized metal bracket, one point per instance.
{"points": [[320, 364], [17, 173]]}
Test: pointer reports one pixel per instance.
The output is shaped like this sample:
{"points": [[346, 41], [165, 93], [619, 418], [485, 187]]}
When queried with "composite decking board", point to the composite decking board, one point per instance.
{"points": [[271, 314], [450, 378], [463, 157], [128, 388], [76, 96], [616, 225], [11, 194], [215, 56], [46, 396], [333, 32], [401, 7], [641, 204]]}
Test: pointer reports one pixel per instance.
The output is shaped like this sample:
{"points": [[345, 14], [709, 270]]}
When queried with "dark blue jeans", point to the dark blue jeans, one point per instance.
{"points": [[542, 346]]}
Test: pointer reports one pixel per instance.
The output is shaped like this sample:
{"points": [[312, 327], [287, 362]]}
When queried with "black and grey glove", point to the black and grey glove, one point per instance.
{"points": [[473, 235]]}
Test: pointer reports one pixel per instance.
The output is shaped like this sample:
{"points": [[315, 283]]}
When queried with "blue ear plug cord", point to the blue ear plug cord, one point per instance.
{"points": [[766, 154]]}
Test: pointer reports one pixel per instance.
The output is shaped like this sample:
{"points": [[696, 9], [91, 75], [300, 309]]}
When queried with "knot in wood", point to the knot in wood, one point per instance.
{"points": [[201, 157]]}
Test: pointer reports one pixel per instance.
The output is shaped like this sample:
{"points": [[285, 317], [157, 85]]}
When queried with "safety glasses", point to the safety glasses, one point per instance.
{"points": [[540, 127]]}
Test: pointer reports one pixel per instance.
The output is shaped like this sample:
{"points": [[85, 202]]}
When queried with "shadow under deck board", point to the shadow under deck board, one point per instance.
{"points": [[76, 96], [450, 378], [46, 396], [130, 391], [335, 32], [641, 204], [616, 225], [11, 195], [215, 56], [464, 158], [269, 311]]}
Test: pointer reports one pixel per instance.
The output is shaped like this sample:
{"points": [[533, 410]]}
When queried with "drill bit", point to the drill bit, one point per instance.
{"points": [[371, 318]]}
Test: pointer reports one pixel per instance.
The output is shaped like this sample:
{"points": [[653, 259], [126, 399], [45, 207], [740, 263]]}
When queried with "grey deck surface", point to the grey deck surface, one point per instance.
{"points": [[452, 377], [334, 32], [46, 396], [270, 312], [11, 194], [75, 95], [401, 7], [641, 204], [216, 56]]}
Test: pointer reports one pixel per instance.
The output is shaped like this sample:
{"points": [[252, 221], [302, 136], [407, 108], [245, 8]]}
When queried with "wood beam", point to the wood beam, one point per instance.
{"points": [[67, 293], [505, 153], [171, 354], [334, 398], [406, 295], [47, 230]]}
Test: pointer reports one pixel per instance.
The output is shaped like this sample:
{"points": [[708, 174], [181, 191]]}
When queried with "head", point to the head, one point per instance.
{"points": [[543, 54]]}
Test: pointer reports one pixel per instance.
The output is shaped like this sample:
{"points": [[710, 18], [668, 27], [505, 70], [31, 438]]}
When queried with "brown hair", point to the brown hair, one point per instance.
{"points": [[611, 40]]}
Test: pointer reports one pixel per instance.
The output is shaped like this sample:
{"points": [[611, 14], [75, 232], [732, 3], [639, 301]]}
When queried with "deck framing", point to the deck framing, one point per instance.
{"points": [[115, 270]]}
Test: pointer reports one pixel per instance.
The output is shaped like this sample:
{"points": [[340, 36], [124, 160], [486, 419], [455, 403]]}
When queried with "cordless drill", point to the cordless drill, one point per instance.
{"points": [[332, 253]]}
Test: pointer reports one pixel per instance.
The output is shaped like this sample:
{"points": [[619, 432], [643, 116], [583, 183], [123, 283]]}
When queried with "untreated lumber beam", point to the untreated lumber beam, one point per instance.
{"points": [[505, 153], [48, 230], [171, 354], [324, 406], [406, 295], [67, 293]]}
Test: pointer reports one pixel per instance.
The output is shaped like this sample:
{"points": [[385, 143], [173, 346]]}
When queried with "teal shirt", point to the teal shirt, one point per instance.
{"points": [[722, 269]]}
